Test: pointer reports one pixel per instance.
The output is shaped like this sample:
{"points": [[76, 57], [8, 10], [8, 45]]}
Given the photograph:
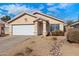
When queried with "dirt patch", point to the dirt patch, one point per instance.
{"points": [[39, 45], [44, 46], [70, 49]]}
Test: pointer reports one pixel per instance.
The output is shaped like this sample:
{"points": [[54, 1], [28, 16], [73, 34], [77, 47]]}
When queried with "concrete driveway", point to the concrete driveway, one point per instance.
{"points": [[11, 41]]}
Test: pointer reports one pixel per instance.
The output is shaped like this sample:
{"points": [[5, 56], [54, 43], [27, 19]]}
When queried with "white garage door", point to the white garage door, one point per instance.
{"points": [[23, 29]]}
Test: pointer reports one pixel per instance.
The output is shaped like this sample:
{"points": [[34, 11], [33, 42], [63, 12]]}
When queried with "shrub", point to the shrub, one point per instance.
{"points": [[73, 36], [48, 34], [28, 50], [57, 33]]}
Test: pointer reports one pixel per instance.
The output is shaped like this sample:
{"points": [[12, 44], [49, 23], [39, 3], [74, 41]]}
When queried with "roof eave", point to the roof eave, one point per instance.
{"points": [[48, 16], [20, 16]]}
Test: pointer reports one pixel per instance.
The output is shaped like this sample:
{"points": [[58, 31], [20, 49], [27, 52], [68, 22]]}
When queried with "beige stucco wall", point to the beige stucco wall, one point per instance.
{"points": [[52, 21], [26, 19]]}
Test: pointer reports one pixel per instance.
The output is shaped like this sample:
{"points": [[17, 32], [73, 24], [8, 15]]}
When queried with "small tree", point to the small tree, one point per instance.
{"points": [[69, 22], [5, 18]]}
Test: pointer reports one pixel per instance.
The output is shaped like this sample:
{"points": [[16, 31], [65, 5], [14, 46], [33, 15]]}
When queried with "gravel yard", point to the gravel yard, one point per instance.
{"points": [[9, 42], [37, 46], [41, 46]]}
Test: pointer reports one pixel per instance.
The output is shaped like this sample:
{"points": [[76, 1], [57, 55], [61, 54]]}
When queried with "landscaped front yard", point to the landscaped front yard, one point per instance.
{"points": [[40, 46]]}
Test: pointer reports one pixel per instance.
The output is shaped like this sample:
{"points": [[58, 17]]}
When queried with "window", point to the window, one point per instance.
{"points": [[76, 26], [54, 27]]}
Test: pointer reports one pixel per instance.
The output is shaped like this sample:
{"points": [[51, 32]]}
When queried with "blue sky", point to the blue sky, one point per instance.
{"points": [[64, 11]]}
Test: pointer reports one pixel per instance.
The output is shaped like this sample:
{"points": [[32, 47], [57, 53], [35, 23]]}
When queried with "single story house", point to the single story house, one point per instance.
{"points": [[34, 24]]}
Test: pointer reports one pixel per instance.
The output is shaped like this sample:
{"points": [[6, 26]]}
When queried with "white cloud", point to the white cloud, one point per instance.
{"points": [[52, 9], [14, 8], [64, 5], [17, 8], [60, 6]]}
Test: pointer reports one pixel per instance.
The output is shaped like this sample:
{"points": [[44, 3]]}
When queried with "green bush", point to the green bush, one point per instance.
{"points": [[73, 36], [57, 33]]}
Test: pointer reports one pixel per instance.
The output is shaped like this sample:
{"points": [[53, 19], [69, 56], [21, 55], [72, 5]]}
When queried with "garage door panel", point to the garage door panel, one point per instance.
{"points": [[23, 30]]}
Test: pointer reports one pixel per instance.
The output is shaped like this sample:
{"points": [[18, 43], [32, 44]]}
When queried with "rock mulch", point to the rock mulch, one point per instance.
{"points": [[56, 48]]}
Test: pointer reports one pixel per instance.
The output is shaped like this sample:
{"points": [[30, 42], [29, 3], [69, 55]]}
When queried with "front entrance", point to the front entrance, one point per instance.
{"points": [[40, 28]]}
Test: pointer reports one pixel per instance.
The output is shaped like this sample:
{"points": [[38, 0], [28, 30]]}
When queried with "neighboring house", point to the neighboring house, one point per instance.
{"points": [[75, 24], [2, 26], [6, 28], [36, 24]]}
